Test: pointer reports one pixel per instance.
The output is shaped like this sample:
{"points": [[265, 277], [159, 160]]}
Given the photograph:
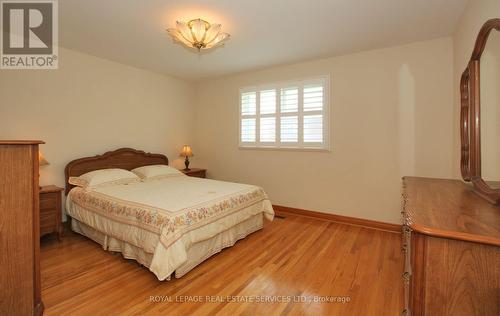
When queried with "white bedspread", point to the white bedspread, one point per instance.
{"points": [[166, 216]]}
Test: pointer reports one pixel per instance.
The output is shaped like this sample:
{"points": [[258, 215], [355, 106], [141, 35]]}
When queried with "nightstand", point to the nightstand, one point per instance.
{"points": [[50, 210], [195, 172]]}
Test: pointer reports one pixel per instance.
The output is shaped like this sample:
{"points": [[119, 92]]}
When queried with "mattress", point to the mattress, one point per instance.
{"points": [[164, 218]]}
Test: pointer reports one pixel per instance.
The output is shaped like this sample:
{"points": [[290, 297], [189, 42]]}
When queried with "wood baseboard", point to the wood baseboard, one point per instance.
{"points": [[284, 210]]}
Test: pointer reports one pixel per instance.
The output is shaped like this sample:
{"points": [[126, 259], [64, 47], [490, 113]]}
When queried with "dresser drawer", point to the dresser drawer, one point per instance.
{"points": [[49, 201], [48, 223], [198, 174], [50, 210]]}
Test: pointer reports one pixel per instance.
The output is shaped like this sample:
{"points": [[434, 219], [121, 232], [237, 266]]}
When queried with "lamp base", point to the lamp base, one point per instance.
{"points": [[186, 163]]}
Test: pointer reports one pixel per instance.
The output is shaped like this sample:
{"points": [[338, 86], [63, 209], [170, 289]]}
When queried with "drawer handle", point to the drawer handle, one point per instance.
{"points": [[405, 219], [404, 312], [404, 248], [406, 277]]}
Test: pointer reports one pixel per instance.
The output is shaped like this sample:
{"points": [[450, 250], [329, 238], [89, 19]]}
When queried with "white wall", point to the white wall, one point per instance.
{"points": [[391, 116], [475, 15], [92, 105]]}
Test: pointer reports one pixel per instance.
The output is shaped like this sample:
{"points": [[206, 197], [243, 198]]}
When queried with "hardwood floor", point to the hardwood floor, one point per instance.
{"points": [[296, 256]]}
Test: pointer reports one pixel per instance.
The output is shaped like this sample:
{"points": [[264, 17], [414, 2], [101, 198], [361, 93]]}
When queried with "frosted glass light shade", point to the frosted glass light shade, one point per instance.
{"points": [[198, 34]]}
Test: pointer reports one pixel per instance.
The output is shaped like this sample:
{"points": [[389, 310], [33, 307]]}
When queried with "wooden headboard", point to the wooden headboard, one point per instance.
{"points": [[124, 158]]}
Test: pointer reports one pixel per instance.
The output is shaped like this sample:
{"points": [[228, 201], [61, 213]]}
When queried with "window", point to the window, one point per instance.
{"points": [[286, 115]]}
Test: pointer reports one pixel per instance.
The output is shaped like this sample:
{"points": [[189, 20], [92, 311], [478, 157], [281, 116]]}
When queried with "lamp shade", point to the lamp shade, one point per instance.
{"points": [[198, 34], [41, 159], [186, 151]]}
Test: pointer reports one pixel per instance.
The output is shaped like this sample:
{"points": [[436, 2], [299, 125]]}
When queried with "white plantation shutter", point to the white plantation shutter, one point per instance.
{"points": [[313, 128], [313, 98], [248, 124], [313, 113], [268, 101], [286, 115], [289, 129], [268, 129], [289, 99], [267, 111], [289, 110], [248, 103], [248, 130]]}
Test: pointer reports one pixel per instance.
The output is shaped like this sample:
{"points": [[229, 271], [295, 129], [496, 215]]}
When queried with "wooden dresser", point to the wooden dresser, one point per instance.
{"points": [[451, 241], [19, 229]]}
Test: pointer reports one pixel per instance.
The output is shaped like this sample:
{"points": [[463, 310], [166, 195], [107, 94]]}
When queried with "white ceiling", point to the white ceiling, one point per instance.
{"points": [[263, 32]]}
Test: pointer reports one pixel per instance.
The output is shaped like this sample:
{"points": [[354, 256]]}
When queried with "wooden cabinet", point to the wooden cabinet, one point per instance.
{"points": [[50, 210], [19, 229], [451, 241], [195, 172]]}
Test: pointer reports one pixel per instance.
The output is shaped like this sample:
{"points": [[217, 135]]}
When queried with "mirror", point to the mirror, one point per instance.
{"points": [[480, 114], [490, 110]]}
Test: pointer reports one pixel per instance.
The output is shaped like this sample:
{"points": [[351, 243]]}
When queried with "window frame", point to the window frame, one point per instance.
{"points": [[300, 145]]}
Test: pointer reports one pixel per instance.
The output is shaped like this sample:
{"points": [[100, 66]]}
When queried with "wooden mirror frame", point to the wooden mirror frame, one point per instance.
{"points": [[470, 118]]}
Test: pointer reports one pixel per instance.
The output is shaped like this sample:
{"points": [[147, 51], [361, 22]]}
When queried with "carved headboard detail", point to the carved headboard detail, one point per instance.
{"points": [[124, 158]]}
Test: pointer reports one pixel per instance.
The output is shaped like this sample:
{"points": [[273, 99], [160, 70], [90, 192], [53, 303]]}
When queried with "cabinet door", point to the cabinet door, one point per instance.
{"points": [[463, 278], [17, 205]]}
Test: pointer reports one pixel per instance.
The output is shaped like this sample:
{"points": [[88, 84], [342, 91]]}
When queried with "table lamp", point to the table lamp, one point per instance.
{"points": [[186, 152], [41, 161]]}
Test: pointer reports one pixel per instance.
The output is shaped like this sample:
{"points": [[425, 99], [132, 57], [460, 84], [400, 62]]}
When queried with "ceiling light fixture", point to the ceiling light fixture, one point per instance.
{"points": [[198, 34]]}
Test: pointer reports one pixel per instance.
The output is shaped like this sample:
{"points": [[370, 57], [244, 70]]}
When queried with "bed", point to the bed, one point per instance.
{"points": [[170, 224]]}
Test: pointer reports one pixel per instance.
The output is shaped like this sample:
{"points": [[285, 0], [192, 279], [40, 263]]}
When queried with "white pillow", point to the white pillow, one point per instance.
{"points": [[156, 171], [104, 177]]}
